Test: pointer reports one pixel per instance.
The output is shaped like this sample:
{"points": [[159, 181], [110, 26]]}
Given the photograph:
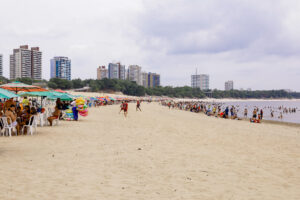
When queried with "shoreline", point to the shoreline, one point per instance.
{"points": [[290, 124], [233, 100]]}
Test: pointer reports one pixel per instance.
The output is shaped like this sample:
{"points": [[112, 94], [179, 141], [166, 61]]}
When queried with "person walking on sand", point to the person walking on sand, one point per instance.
{"points": [[121, 107], [138, 105], [125, 108]]}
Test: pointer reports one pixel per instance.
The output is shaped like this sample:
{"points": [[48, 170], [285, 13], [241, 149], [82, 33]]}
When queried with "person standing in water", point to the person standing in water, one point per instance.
{"points": [[138, 105], [245, 113]]}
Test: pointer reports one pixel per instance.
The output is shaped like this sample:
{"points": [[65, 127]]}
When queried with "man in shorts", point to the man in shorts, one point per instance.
{"points": [[125, 108], [138, 105]]}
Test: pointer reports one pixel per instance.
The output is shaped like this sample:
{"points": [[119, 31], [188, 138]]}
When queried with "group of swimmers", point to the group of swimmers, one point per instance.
{"points": [[224, 111]]}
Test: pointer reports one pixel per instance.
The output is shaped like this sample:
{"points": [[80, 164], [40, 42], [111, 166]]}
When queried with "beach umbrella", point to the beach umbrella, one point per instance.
{"points": [[62, 96], [18, 86], [111, 98], [59, 90], [49, 95], [36, 94], [5, 94]]}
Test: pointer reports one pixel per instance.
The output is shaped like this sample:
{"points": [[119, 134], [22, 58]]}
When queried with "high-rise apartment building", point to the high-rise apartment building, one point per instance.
{"points": [[116, 71], [1, 65], [200, 81], [36, 63], [26, 63], [102, 72], [228, 85], [113, 71], [153, 80], [145, 79], [135, 74], [61, 67], [122, 72]]}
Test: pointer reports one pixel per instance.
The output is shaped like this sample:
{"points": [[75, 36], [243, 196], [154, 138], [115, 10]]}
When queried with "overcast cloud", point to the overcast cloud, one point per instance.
{"points": [[255, 43]]}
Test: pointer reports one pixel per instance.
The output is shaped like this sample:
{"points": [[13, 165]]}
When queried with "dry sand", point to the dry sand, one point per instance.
{"points": [[154, 154]]}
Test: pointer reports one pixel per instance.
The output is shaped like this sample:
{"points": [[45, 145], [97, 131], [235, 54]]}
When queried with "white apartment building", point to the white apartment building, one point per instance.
{"points": [[113, 71], [36, 63], [122, 72], [200, 81], [26, 63], [228, 85], [116, 71], [135, 74], [145, 79]]}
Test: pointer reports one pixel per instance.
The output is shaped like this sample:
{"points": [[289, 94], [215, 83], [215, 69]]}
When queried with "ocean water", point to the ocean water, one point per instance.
{"points": [[267, 106]]}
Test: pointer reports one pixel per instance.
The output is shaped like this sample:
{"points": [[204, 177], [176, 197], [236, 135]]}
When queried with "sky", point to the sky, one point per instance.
{"points": [[255, 43]]}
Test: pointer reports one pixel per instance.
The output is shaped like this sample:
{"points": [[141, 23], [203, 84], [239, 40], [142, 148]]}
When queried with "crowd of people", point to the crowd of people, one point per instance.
{"points": [[224, 111], [20, 114]]}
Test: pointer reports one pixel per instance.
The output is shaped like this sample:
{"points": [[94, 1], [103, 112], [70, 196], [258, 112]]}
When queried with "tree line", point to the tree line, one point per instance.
{"points": [[131, 88]]}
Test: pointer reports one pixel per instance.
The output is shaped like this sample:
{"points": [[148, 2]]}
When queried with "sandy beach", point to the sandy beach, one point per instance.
{"points": [[154, 154]]}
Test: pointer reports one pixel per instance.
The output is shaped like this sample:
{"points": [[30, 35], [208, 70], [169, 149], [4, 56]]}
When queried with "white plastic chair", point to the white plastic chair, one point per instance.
{"points": [[7, 127], [31, 125], [42, 118], [55, 121]]}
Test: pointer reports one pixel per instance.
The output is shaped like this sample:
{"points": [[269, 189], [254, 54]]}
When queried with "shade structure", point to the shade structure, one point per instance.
{"points": [[62, 96], [18, 87], [59, 90], [5, 94], [36, 94], [49, 95]]}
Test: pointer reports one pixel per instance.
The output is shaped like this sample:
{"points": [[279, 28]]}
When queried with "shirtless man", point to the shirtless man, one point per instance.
{"points": [[8, 103]]}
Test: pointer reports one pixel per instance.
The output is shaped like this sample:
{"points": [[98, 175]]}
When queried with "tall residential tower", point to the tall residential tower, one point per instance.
{"points": [[116, 71], [102, 73], [200, 81], [135, 74], [61, 68], [26, 63], [228, 85], [153, 80]]}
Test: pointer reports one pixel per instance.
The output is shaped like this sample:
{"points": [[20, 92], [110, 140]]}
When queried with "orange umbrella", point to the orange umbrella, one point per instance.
{"points": [[18, 86], [59, 90]]}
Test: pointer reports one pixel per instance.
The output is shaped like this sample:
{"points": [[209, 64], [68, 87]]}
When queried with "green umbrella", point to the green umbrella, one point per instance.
{"points": [[5, 94], [36, 94]]}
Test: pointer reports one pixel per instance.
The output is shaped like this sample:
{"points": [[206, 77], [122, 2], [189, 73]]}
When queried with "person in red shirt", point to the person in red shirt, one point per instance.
{"points": [[138, 105], [125, 108]]}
